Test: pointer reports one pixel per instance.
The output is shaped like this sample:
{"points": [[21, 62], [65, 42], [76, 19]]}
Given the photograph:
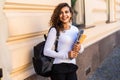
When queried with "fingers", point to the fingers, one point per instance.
{"points": [[75, 54], [76, 47], [72, 54]]}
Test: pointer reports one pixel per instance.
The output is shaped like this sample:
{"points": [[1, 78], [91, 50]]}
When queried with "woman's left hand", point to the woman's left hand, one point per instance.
{"points": [[76, 47]]}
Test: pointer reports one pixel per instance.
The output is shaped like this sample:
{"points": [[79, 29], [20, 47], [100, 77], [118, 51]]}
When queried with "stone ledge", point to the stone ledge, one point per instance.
{"points": [[99, 32]]}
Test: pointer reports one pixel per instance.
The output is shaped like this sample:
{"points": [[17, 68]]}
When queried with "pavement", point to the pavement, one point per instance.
{"points": [[108, 70], [110, 67]]}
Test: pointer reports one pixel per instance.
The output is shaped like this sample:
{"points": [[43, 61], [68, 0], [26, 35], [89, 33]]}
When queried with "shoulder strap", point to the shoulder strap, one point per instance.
{"points": [[57, 37]]}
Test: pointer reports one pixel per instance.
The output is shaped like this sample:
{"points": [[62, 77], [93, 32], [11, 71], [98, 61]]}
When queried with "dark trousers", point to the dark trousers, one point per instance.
{"points": [[64, 76], [64, 71]]}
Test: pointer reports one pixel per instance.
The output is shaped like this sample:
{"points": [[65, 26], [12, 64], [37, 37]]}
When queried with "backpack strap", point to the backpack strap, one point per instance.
{"points": [[57, 37]]}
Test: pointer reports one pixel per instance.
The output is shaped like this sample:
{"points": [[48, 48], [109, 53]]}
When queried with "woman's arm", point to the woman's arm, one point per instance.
{"points": [[48, 49]]}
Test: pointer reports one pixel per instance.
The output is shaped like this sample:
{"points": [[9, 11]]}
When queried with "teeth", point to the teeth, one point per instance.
{"points": [[64, 18]]}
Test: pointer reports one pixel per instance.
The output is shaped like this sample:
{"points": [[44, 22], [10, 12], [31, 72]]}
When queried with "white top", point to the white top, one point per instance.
{"points": [[65, 44]]}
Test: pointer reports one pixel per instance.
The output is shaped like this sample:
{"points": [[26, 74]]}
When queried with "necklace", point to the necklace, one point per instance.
{"points": [[66, 29], [63, 31]]}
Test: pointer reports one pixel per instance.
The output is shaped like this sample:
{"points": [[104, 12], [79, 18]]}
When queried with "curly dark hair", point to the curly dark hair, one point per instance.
{"points": [[55, 21]]}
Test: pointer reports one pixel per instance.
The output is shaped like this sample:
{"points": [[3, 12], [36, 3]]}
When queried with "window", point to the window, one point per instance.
{"points": [[78, 17], [111, 10]]}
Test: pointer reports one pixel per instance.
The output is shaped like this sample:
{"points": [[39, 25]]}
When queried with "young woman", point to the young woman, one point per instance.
{"points": [[64, 65]]}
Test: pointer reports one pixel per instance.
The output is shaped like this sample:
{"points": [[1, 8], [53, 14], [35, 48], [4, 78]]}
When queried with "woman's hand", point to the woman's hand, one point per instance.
{"points": [[76, 47], [72, 54]]}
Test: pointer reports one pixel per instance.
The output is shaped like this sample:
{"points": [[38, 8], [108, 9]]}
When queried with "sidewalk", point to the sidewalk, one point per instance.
{"points": [[110, 68]]}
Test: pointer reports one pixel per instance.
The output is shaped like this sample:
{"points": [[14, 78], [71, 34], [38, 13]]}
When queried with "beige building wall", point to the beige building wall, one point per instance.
{"points": [[22, 25], [117, 8], [91, 12], [97, 13]]}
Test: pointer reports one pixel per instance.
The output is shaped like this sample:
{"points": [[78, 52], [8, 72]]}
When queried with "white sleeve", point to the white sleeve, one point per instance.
{"points": [[48, 49], [82, 49]]}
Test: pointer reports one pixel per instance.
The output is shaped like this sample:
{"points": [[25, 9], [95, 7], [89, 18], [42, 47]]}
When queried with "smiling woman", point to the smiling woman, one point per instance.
{"points": [[65, 16], [64, 65]]}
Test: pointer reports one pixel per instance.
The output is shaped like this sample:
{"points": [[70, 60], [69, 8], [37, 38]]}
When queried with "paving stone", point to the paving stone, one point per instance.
{"points": [[110, 67]]}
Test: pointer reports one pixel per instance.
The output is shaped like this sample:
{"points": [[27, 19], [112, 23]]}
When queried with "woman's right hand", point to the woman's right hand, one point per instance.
{"points": [[72, 54]]}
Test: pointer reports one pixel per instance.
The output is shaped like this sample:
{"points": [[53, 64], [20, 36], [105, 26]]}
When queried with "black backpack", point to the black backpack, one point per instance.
{"points": [[43, 64]]}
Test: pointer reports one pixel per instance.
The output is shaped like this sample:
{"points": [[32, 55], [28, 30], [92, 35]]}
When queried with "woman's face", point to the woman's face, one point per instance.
{"points": [[65, 15]]}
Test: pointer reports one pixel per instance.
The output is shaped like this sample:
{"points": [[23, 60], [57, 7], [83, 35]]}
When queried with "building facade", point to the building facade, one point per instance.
{"points": [[23, 23]]}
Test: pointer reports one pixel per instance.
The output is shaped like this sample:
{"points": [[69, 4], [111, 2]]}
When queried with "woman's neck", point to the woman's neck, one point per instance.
{"points": [[66, 26]]}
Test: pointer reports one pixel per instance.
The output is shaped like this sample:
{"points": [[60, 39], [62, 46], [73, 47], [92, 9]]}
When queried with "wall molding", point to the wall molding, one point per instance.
{"points": [[26, 36], [99, 10], [25, 6], [21, 69], [100, 22], [100, 31]]}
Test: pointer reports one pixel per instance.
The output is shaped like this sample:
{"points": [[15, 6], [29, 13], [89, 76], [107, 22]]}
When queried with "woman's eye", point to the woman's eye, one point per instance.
{"points": [[66, 11]]}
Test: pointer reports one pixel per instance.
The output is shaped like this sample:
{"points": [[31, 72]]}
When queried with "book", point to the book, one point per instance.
{"points": [[81, 37]]}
